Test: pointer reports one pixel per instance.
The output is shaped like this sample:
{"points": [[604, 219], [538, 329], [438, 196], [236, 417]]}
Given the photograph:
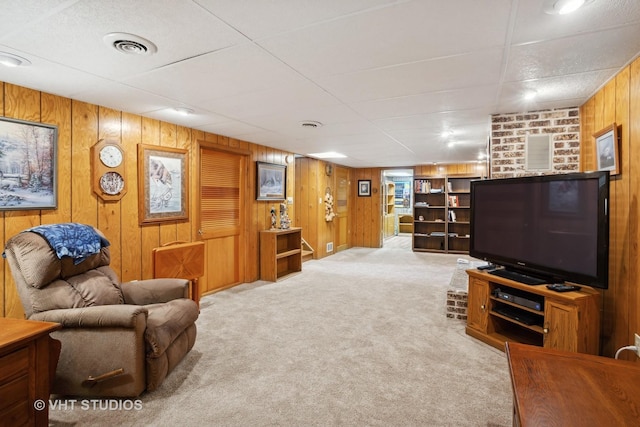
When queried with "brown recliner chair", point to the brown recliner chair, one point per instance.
{"points": [[118, 339]]}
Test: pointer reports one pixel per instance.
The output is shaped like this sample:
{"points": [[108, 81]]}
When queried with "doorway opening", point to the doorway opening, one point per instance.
{"points": [[397, 208]]}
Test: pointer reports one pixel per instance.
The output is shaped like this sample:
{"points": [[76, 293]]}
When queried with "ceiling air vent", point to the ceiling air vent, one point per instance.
{"points": [[130, 44], [310, 124]]}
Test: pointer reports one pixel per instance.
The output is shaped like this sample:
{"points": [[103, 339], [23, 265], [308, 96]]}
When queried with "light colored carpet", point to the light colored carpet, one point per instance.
{"points": [[359, 338]]}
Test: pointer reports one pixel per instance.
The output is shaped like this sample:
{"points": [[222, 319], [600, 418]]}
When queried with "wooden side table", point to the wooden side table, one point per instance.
{"points": [[560, 388], [28, 360]]}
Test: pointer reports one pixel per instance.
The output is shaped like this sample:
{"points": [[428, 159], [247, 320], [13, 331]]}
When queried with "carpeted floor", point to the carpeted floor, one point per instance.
{"points": [[359, 338]]}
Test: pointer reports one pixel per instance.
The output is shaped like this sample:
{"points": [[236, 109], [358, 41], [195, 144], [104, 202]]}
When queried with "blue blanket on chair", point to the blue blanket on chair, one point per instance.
{"points": [[77, 241]]}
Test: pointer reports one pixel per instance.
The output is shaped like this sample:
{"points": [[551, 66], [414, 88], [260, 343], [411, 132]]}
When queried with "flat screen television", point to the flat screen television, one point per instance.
{"points": [[551, 227]]}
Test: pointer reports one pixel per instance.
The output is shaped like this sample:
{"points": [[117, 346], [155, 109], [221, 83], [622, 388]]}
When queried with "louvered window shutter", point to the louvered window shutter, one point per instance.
{"points": [[220, 192], [538, 153]]}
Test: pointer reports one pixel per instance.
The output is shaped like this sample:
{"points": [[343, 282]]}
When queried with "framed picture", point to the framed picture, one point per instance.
{"points": [[607, 157], [364, 187], [271, 181], [163, 184], [28, 165]]}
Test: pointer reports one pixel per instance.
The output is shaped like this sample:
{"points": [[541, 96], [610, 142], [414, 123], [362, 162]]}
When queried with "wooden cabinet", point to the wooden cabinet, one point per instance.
{"points": [[478, 297], [441, 213], [280, 253], [567, 321], [28, 357]]}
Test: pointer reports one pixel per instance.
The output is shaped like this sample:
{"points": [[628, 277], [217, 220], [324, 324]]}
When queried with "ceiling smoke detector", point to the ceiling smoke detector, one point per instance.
{"points": [[130, 44], [310, 124]]}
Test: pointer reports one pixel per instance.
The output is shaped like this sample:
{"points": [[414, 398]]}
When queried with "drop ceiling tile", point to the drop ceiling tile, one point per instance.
{"points": [[403, 33], [564, 56], [17, 18], [455, 72], [440, 122], [229, 72], [291, 95], [532, 24], [289, 120], [74, 36], [431, 102], [552, 89], [194, 120], [263, 18], [231, 128]]}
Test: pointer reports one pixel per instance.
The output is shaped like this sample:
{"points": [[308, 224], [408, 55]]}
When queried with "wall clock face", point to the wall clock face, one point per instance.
{"points": [[111, 183], [111, 156]]}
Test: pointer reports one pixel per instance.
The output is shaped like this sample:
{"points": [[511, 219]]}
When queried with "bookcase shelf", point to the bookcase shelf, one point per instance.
{"points": [[442, 206]]}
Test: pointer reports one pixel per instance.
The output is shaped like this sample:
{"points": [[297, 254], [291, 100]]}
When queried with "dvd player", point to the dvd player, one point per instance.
{"points": [[512, 296], [516, 314]]}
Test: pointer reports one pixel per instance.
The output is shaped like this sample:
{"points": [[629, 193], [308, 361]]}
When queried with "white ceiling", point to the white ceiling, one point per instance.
{"points": [[385, 77]]}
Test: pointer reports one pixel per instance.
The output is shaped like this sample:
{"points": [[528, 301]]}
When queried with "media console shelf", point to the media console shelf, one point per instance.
{"points": [[567, 321]]}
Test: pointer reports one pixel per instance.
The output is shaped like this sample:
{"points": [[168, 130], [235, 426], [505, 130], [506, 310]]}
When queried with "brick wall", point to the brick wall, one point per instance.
{"points": [[508, 137]]}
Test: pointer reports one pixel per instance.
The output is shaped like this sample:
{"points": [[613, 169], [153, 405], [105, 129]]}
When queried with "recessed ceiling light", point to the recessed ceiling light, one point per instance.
{"points": [[563, 7], [11, 60], [184, 111], [130, 44], [530, 94], [327, 155], [447, 133], [310, 124]]}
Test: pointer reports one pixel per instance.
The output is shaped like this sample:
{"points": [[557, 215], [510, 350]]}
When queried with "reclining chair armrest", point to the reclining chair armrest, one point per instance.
{"points": [[101, 316], [152, 291]]}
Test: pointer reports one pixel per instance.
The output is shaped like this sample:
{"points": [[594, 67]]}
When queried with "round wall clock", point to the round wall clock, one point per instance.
{"points": [[111, 155]]}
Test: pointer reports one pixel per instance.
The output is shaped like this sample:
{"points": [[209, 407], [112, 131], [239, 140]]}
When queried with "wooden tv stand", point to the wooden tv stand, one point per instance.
{"points": [[567, 321]]}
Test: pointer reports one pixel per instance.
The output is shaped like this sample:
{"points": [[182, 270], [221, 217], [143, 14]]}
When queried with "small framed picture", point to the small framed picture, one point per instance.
{"points": [[607, 157], [271, 181], [364, 187]]}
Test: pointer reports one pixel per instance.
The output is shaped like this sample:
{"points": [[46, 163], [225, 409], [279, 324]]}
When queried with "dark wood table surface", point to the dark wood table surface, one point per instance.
{"points": [[558, 388]]}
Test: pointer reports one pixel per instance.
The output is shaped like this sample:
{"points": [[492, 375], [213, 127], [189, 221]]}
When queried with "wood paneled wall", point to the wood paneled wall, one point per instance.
{"points": [[619, 101], [472, 169], [311, 185], [80, 125]]}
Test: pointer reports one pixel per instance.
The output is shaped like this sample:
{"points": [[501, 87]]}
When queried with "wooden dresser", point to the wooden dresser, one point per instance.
{"points": [[28, 357]]}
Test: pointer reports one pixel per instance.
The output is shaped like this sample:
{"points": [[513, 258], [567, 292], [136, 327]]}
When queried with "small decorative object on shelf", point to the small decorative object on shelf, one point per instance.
{"points": [[285, 222], [273, 217]]}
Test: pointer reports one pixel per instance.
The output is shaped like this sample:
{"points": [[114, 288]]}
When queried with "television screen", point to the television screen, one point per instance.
{"points": [[554, 227]]}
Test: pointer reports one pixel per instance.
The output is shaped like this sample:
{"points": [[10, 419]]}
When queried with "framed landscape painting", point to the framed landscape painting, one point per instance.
{"points": [[28, 165], [271, 181]]}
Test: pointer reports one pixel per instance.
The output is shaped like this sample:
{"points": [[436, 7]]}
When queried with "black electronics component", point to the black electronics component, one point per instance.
{"points": [[512, 295], [561, 287]]}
